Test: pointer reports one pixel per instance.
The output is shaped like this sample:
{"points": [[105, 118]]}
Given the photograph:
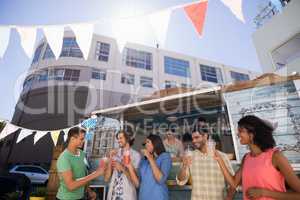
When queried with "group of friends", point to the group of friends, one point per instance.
{"points": [[143, 175]]}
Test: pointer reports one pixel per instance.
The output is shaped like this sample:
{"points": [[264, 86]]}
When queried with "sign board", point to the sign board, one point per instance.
{"points": [[277, 103]]}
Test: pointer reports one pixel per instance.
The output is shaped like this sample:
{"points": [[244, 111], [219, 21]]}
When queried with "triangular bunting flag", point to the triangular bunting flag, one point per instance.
{"points": [[160, 22], [4, 39], [54, 136], [23, 134], [8, 129], [27, 36], [196, 13], [54, 35], [39, 135], [235, 7], [84, 35], [66, 131], [127, 30]]}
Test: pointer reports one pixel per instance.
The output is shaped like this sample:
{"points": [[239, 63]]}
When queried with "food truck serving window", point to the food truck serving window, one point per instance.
{"points": [[278, 103]]}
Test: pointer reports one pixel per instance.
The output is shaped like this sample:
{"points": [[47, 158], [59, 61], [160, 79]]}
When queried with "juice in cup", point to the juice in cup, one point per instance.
{"points": [[126, 157], [102, 162]]}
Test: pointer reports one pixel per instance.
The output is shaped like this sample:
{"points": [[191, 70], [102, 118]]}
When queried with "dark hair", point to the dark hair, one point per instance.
{"points": [[262, 131], [157, 143], [201, 119], [201, 130], [74, 132], [128, 134], [187, 137]]}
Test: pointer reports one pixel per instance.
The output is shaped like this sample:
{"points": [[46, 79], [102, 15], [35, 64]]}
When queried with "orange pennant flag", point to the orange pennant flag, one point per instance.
{"points": [[196, 12]]}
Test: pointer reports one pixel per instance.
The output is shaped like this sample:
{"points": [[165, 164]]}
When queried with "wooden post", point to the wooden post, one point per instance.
{"points": [[53, 182]]}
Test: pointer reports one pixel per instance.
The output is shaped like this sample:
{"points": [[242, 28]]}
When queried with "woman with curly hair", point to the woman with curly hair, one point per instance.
{"points": [[264, 169]]}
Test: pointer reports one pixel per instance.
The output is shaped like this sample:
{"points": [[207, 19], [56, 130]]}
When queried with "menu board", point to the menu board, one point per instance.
{"points": [[279, 104]]}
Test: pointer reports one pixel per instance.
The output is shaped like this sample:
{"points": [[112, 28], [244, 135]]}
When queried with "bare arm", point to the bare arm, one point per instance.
{"points": [[108, 171], [133, 175], [232, 180], [280, 162], [74, 184], [182, 175], [232, 190], [258, 192]]}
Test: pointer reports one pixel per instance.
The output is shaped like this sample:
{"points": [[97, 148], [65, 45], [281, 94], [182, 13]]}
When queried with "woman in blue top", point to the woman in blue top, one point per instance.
{"points": [[153, 170]]}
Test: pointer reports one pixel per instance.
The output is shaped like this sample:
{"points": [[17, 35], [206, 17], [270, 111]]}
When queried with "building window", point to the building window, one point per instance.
{"points": [[236, 76], [146, 81], [211, 74], [48, 53], [186, 85], [71, 75], [64, 74], [70, 48], [99, 74], [138, 59], [42, 75], [177, 67], [37, 53], [127, 79], [28, 82], [170, 84], [56, 74], [102, 51]]}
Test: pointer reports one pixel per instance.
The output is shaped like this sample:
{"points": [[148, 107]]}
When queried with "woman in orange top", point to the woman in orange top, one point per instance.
{"points": [[264, 169]]}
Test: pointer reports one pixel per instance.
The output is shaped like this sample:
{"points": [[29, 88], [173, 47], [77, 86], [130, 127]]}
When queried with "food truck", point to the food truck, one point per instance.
{"points": [[271, 97]]}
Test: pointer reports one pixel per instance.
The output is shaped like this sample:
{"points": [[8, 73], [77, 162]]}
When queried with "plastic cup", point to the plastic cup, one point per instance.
{"points": [[126, 157]]}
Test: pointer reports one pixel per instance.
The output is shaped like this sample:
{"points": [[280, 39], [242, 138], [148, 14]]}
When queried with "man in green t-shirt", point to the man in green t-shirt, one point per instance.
{"points": [[72, 169]]}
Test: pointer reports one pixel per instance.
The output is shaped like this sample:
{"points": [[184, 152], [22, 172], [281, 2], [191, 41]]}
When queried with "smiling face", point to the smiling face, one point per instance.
{"points": [[122, 140], [78, 140], [245, 136], [199, 140]]}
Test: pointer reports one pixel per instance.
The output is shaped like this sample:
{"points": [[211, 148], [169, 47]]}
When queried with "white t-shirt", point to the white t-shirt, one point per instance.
{"points": [[120, 188]]}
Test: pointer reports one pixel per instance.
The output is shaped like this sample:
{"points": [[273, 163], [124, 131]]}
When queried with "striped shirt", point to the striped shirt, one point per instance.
{"points": [[208, 182]]}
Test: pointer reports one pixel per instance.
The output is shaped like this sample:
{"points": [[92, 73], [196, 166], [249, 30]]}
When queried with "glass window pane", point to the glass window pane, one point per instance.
{"points": [[138, 59], [177, 67], [70, 48]]}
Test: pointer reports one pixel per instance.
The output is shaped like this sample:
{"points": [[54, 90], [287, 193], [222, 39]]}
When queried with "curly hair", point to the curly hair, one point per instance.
{"points": [[262, 131]]}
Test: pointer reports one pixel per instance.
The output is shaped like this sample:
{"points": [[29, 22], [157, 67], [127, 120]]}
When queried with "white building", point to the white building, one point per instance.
{"points": [[277, 39], [64, 90]]}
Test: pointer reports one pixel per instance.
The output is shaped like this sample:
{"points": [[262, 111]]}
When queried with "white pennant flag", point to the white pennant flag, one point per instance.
{"points": [[236, 8], [66, 133], [160, 22], [55, 136], [4, 39], [84, 35], [23, 134], [27, 36], [128, 30], [54, 35], [7, 130], [39, 135]]}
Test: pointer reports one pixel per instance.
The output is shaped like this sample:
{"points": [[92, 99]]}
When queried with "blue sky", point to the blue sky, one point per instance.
{"points": [[225, 38]]}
